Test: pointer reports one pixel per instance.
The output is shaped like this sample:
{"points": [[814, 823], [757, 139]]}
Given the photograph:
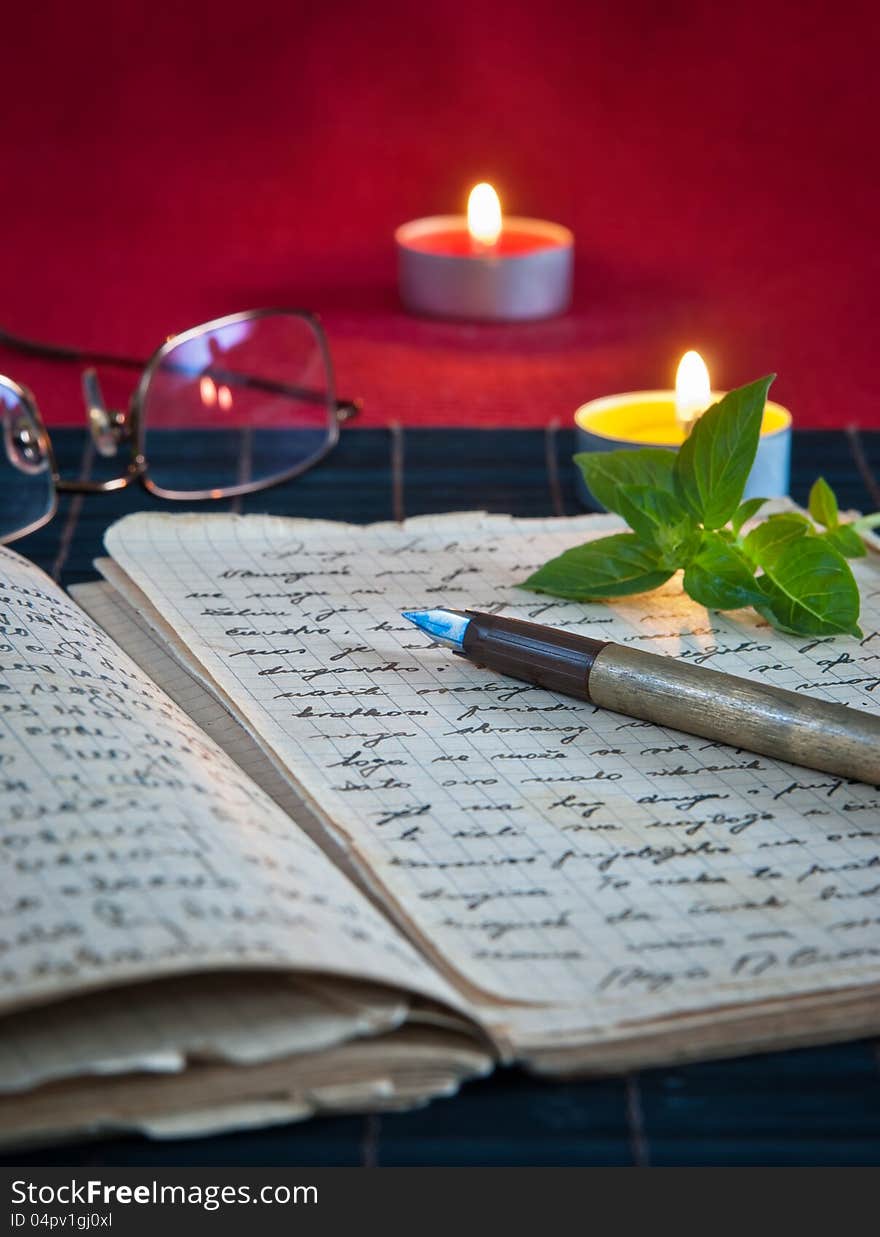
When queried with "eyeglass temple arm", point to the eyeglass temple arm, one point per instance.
{"points": [[345, 409], [58, 352]]}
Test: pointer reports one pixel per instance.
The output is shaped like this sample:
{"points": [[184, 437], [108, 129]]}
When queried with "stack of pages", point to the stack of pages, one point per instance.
{"points": [[268, 852]]}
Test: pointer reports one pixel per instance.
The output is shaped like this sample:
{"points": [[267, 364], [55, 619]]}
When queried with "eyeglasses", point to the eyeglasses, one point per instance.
{"points": [[253, 391]]}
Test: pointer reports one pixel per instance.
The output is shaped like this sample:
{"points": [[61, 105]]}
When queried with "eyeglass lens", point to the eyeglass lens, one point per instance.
{"points": [[27, 487], [254, 397]]}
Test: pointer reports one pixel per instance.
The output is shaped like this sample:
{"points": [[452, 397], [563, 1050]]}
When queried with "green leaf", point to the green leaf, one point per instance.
{"points": [[721, 577], [823, 503], [660, 520], [797, 517], [865, 523], [809, 589], [764, 541], [744, 512], [712, 466], [610, 567], [606, 471], [845, 540]]}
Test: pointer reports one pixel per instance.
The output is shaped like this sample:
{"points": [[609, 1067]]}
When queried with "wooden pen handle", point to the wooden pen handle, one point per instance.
{"points": [[759, 718]]}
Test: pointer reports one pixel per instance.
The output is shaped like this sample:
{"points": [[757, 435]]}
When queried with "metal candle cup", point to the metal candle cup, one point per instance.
{"points": [[648, 419], [526, 274]]}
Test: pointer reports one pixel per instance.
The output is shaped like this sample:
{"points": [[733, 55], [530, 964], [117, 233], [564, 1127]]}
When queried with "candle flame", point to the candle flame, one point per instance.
{"points": [[484, 215], [693, 392]]}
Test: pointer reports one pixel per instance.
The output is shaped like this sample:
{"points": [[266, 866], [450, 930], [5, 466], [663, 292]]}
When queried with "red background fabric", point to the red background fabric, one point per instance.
{"points": [[165, 164]]}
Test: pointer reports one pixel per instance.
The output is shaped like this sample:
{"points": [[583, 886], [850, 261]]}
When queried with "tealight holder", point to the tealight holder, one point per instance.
{"points": [[648, 419], [525, 275]]}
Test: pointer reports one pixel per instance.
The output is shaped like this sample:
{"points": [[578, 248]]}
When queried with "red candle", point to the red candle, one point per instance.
{"points": [[458, 243], [483, 267]]}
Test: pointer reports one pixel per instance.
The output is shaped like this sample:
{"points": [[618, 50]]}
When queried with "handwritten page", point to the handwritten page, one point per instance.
{"points": [[125, 622], [131, 846], [548, 851]]}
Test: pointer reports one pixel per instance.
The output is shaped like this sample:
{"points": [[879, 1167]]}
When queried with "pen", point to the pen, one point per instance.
{"points": [[656, 688]]}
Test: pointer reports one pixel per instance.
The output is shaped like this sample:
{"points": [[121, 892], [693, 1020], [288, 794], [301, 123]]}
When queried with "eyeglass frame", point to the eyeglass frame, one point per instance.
{"points": [[129, 425]]}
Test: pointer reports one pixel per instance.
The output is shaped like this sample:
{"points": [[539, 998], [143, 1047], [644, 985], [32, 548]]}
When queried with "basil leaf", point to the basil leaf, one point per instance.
{"points": [[744, 512], [659, 519], [809, 589], [765, 540], [845, 540], [610, 567], [606, 471], [721, 577], [713, 463], [797, 517], [823, 503]]}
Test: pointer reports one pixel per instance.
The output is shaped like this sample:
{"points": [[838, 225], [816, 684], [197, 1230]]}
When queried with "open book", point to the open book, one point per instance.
{"points": [[267, 852]]}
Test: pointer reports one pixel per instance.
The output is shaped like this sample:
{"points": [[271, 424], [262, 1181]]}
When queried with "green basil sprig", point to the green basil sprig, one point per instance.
{"points": [[686, 512]]}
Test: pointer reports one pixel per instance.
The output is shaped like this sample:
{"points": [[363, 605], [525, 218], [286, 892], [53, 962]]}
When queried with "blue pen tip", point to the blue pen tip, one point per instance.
{"points": [[444, 626]]}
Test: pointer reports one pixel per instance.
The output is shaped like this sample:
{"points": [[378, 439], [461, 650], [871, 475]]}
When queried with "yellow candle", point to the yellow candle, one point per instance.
{"points": [[664, 418], [648, 419]]}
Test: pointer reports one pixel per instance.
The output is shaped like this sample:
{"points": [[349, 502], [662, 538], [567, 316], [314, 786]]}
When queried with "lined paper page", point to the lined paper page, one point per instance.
{"points": [[131, 846], [127, 622], [550, 851], [130, 630]]}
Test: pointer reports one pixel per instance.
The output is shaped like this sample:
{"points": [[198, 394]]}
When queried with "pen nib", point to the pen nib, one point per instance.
{"points": [[443, 626]]}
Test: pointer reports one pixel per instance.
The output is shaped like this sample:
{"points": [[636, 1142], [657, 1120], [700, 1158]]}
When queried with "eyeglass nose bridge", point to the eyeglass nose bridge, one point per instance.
{"points": [[109, 427]]}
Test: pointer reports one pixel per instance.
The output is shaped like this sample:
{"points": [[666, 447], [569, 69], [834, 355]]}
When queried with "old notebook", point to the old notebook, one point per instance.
{"points": [[281, 855]]}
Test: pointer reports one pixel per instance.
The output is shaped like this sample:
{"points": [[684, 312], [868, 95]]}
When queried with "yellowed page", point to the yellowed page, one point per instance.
{"points": [[404, 1067], [132, 846], [551, 852], [163, 1026], [129, 626]]}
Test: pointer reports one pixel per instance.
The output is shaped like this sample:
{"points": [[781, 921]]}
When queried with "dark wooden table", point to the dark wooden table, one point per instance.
{"points": [[815, 1106]]}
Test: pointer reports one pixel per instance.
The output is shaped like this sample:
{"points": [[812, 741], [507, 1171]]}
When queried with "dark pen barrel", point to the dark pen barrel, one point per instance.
{"points": [[558, 660]]}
